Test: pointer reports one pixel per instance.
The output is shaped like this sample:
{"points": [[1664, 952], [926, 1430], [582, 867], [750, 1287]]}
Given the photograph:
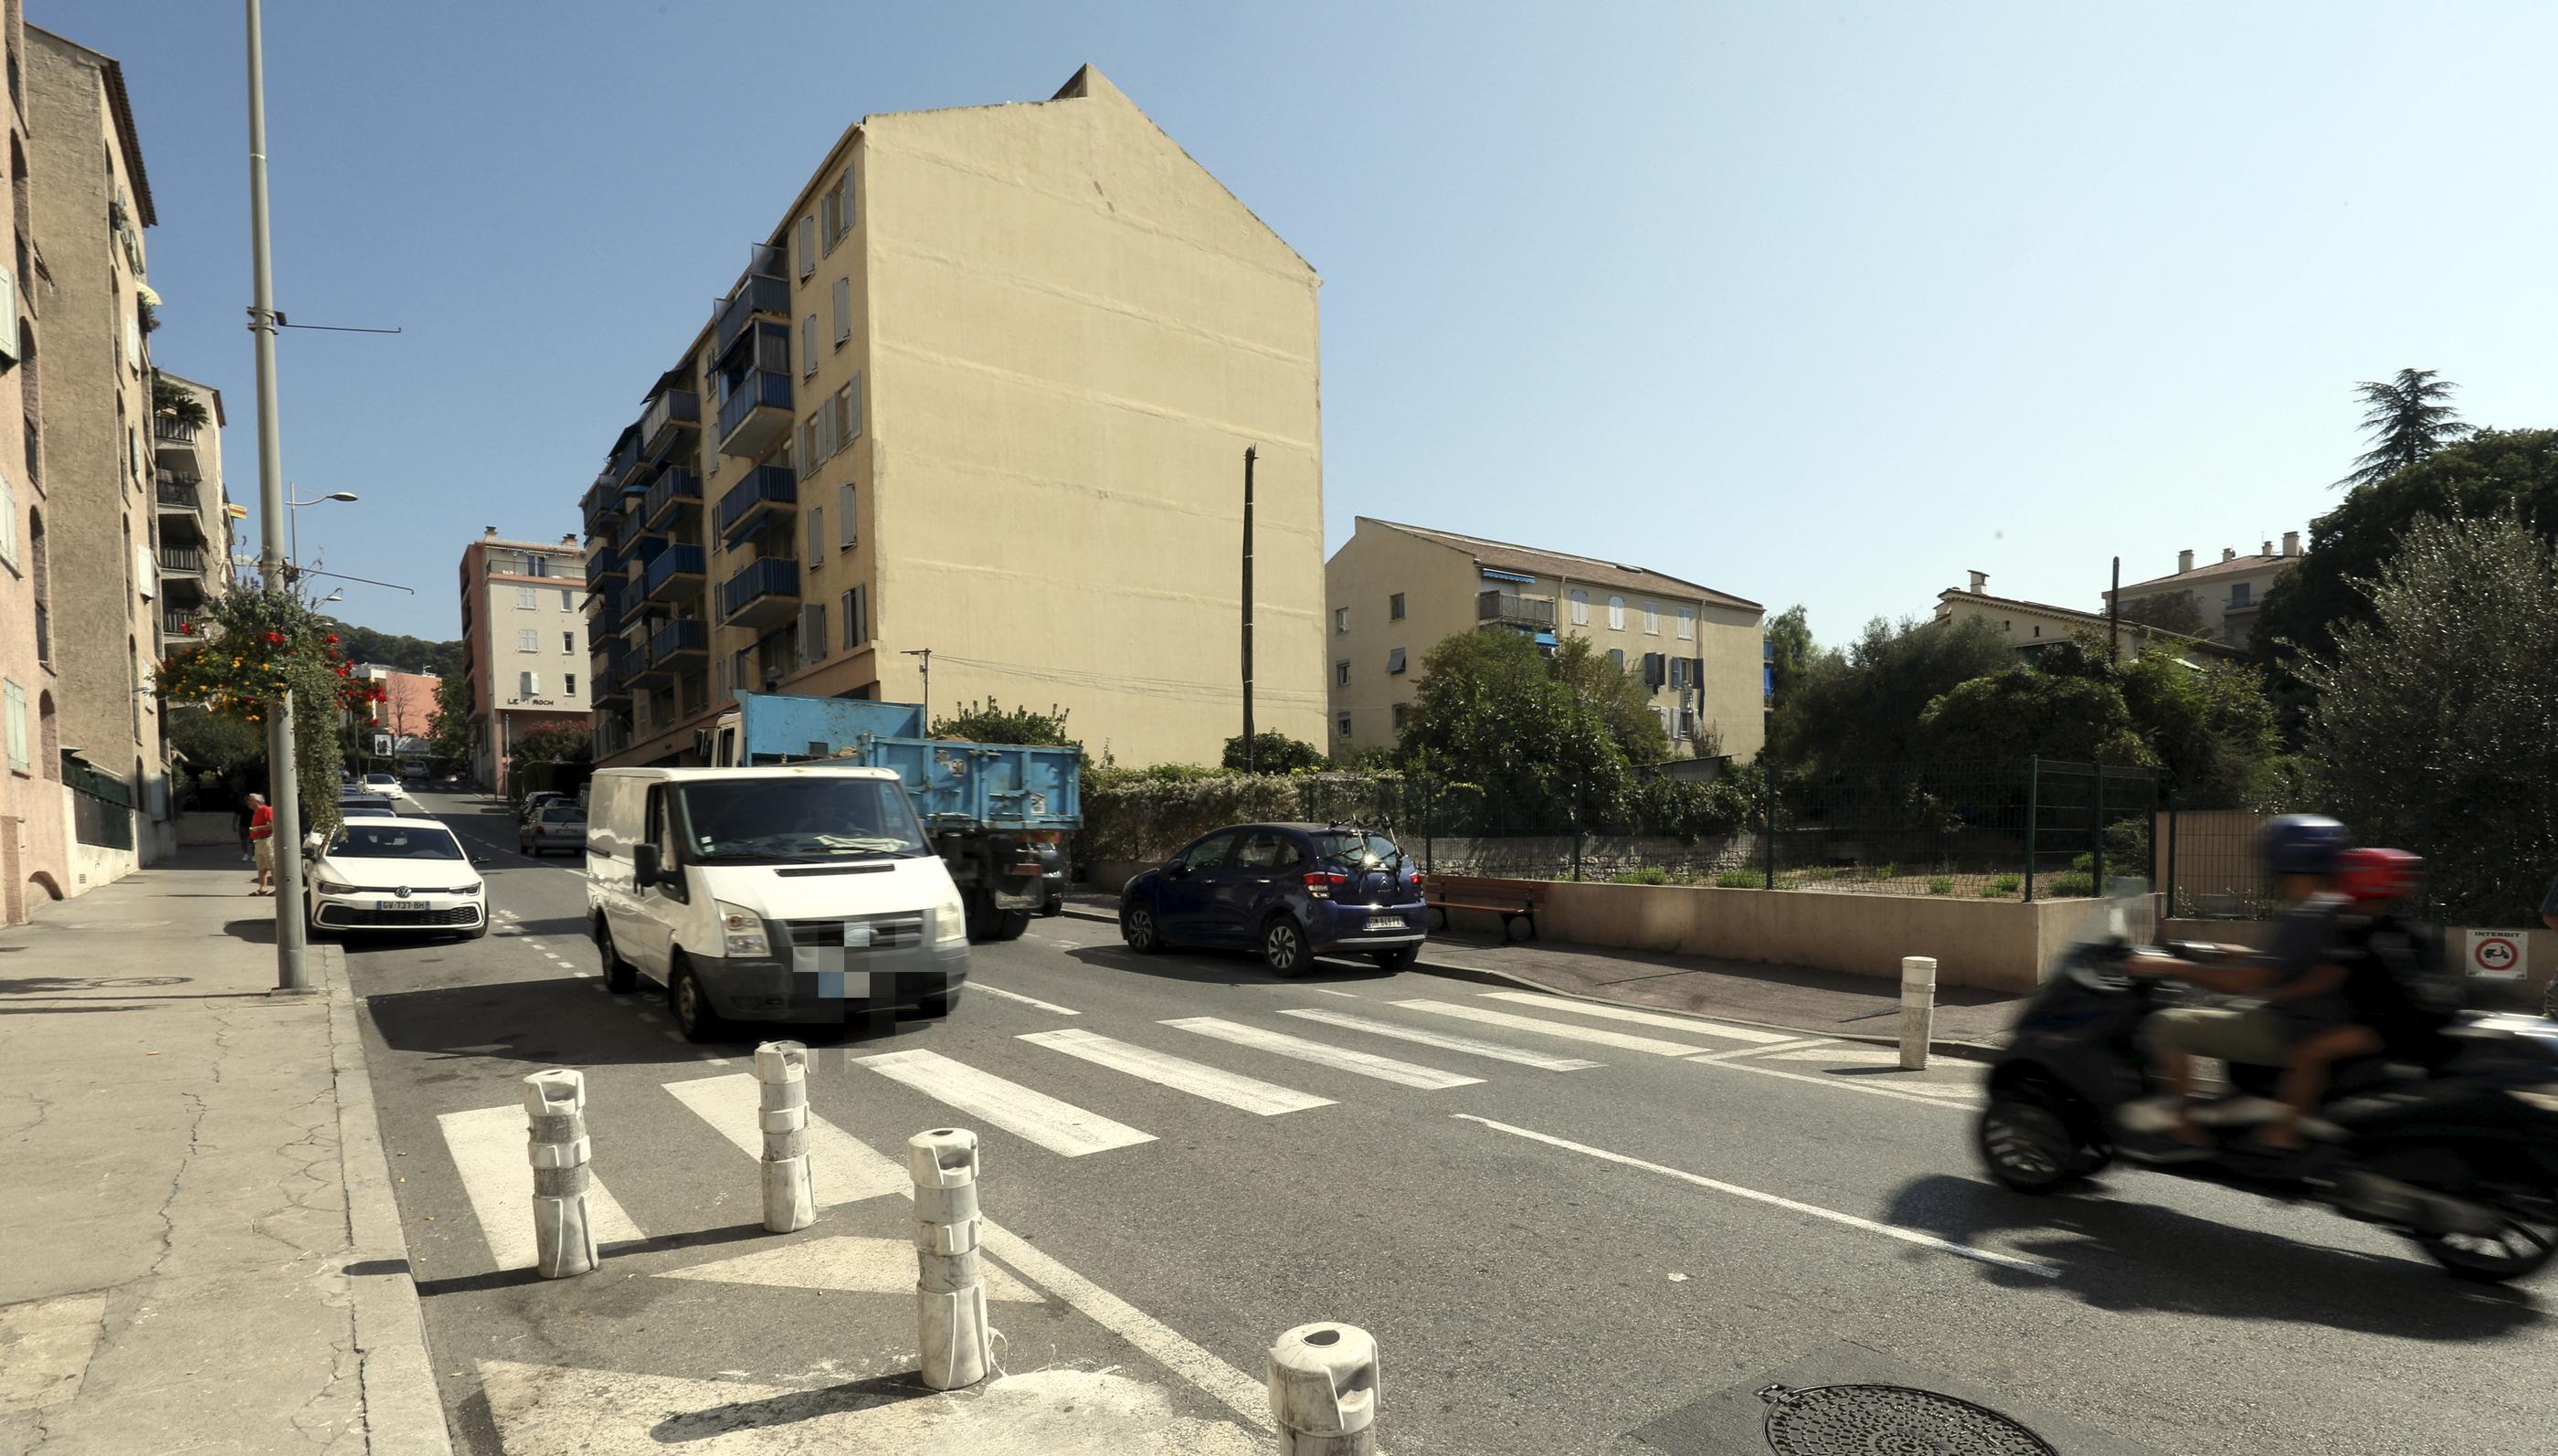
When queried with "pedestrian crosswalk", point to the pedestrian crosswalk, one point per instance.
{"points": [[1242, 1065]]}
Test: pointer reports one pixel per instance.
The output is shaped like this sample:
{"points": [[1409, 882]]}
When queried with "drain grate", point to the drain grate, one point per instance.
{"points": [[1889, 1421]]}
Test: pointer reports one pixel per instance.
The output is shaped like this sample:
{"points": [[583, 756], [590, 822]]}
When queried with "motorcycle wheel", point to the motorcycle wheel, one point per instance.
{"points": [[2526, 1242], [2027, 1142]]}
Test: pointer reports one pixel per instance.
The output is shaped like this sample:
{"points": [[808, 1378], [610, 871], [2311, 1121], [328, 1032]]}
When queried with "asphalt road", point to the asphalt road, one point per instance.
{"points": [[1553, 1257]]}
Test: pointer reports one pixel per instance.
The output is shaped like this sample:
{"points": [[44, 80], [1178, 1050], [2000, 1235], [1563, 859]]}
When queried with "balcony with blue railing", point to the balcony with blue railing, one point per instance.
{"points": [[605, 598], [757, 295], [767, 492], [672, 415], [677, 642], [766, 591], [612, 676], [674, 575], [675, 493], [757, 414]]}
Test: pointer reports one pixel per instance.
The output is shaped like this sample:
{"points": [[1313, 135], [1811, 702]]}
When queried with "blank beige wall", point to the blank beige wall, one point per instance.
{"points": [[1075, 334]]}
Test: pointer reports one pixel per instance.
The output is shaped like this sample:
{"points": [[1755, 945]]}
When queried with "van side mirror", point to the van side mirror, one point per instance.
{"points": [[644, 865]]}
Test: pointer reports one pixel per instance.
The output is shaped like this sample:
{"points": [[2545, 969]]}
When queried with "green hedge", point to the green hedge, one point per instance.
{"points": [[1143, 814]]}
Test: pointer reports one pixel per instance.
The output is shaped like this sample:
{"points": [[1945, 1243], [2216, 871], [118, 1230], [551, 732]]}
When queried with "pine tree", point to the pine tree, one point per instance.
{"points": [[2408, 418]]}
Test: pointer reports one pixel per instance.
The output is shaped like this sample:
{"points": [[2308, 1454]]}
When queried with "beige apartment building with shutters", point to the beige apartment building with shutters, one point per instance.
{"points": [[984, 391], [523, 644], [1393, 592]]}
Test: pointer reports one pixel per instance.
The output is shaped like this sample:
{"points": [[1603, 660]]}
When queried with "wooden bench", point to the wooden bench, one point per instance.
{"points": [[1505, 898]]}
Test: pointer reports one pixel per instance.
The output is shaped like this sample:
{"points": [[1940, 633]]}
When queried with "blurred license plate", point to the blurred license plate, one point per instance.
{"points": [[1385, 922], [399, 904]]}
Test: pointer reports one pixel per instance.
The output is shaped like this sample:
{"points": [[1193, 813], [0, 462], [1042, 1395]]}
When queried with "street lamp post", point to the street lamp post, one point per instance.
{"points": [[295, 529]]}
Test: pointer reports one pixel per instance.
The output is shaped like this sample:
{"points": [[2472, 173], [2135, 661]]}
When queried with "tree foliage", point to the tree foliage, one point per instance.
{"points": [[2026, 711], [2211, 730], [992, 723], [2168, 611], [2407, 418], [1861, 705], [2494, 473], [407, 653], [2433, 727], [448, 730], [1274, 753], [221, 743], [1496, 712], [257, 647]]}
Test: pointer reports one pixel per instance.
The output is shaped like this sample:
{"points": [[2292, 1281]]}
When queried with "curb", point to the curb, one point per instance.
{"points": [[1431, 961], [404, 1409]]}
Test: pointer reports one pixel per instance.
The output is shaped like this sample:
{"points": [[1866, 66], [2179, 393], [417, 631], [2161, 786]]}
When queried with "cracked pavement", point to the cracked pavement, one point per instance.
{"points": [[176, 1211]]}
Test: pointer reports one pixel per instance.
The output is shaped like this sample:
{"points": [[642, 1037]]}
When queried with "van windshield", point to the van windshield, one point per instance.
{"points": [[799, 819]]}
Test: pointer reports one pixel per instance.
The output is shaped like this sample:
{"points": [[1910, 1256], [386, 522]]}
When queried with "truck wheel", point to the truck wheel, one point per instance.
{"points": [[1011, 924], [619, 977], [981, 915]]}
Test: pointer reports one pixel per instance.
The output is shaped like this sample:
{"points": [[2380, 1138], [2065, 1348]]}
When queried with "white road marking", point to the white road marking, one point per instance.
{"points": [[847, 1263], [647, 1016], [1621, 1040], [1443, 1040], [1839, 1056], [1061, 1128], [1761, 1052], [1908, 1093], [1329, 991], [843, 1167], [488, 1146], [977, 985], [1234, 1089], [1647, 1018], [1340, 1058], [1851, 1220]]}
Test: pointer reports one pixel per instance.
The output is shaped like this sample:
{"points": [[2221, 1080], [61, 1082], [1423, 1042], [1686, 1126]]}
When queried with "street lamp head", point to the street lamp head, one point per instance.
{"points": [[338, 496]]}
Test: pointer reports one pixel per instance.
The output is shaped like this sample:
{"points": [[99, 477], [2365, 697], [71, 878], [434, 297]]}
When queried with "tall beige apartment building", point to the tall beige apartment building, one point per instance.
{"points": [[192, 509], [1396, 591], [106, 565], [35, 848], [983, 391], [523, 644]]}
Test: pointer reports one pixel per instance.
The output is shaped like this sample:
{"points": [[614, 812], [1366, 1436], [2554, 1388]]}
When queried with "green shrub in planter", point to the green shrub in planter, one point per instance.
{"points": [[1940, 886], [1650, 874]]}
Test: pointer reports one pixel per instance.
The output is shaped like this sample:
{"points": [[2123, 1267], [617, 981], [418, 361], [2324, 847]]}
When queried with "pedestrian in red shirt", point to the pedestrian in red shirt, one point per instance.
{"points": [[262, 839]]}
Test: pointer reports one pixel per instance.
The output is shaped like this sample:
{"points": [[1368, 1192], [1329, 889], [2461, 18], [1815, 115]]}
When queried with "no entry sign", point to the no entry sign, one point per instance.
{"points": [[2499, 954]]}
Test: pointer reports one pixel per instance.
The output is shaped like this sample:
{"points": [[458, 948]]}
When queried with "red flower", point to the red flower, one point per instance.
{"points": [[333, 639], [185, 628], [275, 637]]}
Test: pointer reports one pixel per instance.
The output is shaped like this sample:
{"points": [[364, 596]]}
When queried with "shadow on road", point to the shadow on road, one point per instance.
{"points": [[2140, 1257], [1223, 967], [572, 1022]]}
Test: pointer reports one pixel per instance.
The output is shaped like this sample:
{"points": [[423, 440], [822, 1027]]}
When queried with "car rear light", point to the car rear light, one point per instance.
{"points": [[1322, 883]]}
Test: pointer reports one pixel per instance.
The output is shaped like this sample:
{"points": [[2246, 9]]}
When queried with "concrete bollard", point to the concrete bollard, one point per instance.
{"points": [[949, 1289], [555, 1111], [790, 1192], [1918, 1010], [1323, 1391]]}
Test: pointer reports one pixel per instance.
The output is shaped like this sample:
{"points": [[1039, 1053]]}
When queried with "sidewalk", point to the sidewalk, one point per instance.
{"points": [[203, 1254], [1784, 997]]}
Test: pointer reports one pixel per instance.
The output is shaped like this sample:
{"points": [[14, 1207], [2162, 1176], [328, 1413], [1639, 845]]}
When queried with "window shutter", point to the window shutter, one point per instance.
{"points": [[852, 397], [827, 210], [8, 316], [844, 202], [816, 533], [7, 522], [843, 309], [812, 634], [807, 246], [1696, 675], [1394, 661], [808, 345], [532, 684], [847, 499], [17, 712]]}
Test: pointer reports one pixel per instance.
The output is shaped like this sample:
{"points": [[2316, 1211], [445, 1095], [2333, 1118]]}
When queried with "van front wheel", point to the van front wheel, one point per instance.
{"points": [[690, 1005], [619, 977]]}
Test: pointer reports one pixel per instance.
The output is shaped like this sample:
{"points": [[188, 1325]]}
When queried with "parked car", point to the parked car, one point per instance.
{"points": [[552, 827], [533, 803], [772, 894], [354, 803], [386, 785], [1290, 892], [385, 872]]}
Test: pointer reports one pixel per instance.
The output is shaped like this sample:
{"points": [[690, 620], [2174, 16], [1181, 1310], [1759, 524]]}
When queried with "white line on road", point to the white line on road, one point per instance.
{"points": [[1443, 1040], [487, 1147], [1647, 1018], [1841, 1084], [1329, 991], [1340, 1058], [1738, 1053], [1623, 1041], [1061, 1128], [978, 985], [1234, 1089], [843, 1167], [1851, 1220]]}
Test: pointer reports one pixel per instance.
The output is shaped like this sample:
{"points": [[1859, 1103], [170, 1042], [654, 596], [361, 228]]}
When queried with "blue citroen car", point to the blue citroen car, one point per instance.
{"points": [[1290, 892]]}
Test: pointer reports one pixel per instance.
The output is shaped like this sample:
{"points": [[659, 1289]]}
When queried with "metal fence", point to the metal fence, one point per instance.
{"points": [[2040, 828], [2480, 868], [101, 807]]}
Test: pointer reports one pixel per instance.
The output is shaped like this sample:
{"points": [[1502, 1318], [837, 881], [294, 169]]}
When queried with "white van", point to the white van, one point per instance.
{"points": [[776, 894]]}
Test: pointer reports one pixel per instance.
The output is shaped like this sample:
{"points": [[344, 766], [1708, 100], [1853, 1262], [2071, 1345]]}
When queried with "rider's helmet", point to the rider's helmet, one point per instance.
{"points": [[2373, 876], [2302, 845]]}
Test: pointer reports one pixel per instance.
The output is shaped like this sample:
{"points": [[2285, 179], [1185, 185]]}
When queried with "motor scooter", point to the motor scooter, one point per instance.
{"points": [[2453, 1145]]}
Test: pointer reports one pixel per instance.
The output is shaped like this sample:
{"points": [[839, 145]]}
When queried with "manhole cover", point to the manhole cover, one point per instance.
{"points": [[1889, 1421]]}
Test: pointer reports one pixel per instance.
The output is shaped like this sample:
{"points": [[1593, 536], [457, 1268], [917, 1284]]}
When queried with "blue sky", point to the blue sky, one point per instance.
{"points": [[1813, 302]]}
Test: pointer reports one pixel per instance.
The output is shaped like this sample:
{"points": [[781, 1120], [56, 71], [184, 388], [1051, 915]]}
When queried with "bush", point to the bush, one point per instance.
{"points": [[2008, 884], [1650, 874], [1274, 753], [1940, 886], [1993, 892], [1743, 880], [1887, 871], [2076, 885]]}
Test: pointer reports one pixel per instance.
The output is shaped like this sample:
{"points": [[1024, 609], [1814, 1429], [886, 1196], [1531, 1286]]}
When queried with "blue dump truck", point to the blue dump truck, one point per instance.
{"points": [[1000, 813]]}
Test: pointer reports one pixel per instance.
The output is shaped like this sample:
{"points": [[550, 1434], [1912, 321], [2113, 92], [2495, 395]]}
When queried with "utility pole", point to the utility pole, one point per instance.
{"points": [[284, 776], [927, 654], [1250, 454], [2114, 615]]}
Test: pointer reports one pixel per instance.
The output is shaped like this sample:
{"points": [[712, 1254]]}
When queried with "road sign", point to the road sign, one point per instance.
{"points": [[382, 745], [2499, 954]]}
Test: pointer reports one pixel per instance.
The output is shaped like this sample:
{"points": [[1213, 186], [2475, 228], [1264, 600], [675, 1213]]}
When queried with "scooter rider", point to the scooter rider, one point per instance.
{"points": [[2297, 985]]}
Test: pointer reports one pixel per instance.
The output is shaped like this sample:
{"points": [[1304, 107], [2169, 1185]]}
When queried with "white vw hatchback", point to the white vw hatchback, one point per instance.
{"points": [[382, 872]]}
